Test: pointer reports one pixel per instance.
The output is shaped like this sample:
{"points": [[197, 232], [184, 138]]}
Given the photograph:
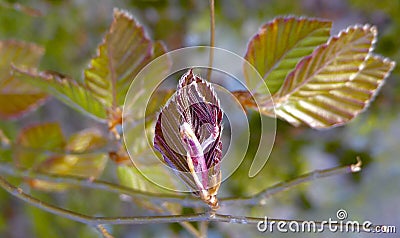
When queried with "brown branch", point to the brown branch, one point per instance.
{"points": [[212, 39], [261, 197], [204, 217], [189, 201]]}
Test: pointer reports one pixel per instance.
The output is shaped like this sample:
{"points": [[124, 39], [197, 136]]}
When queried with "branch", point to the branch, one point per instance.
{"points": [[96, 221], [212, 38], [189, 201], [261, 197], [209, 216]]}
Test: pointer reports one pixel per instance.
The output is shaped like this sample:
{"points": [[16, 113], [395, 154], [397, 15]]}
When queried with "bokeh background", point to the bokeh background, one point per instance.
{"points": [[70, 31]]}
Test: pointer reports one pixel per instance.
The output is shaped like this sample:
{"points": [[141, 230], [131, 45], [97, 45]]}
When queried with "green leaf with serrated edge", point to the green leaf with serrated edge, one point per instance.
{"points": [[86, 141], [335, 83], [66, 90], [81, 161], [124, 51], [277, 47], [123, 86], [89, 163], [339, 104], [34, 141], [18, 97]]}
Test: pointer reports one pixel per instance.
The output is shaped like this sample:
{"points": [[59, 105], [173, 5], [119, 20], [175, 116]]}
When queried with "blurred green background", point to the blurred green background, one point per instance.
{"points": [[70, 31]]}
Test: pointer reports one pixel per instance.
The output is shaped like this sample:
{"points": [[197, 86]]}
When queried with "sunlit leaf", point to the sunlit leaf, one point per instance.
{"points": [[18, 97], [335, 83], [86, 140], [18, 53], [161, 69], [124, 51], [65, 89], [33, 141], [81, 160], [277, 47]]}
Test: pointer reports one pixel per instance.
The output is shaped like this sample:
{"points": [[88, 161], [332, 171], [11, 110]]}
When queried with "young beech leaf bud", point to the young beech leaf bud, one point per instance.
{"points": [[188, 135]]}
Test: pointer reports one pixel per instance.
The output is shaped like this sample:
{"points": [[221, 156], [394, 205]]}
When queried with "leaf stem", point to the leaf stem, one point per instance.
{"points": [[212, 38], [261, 197], [113, 78]]}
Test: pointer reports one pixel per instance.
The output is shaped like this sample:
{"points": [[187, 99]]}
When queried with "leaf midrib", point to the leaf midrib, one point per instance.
{"points": [[113, 77], [286, 53], [328, 62]]}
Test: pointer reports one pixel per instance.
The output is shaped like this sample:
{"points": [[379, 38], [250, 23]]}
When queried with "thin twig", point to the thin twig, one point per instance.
{"points": [[104, 231], [261, 197], [187, 225], [190, 228], [103, 185], [198, 217], [212, 39], [204, 228], [190, 201], [135, 195], [96, 221]]}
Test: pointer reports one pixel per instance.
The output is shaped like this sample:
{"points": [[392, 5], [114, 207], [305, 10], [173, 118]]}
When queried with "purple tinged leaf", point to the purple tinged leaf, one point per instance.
{"points": [[188, 135]]}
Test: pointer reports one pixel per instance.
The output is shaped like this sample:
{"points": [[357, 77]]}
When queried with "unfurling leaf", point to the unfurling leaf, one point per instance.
{"points": [[277, 47], [335, 83], [188, 135], [17, 97], [65, 89], [124, 51]]}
